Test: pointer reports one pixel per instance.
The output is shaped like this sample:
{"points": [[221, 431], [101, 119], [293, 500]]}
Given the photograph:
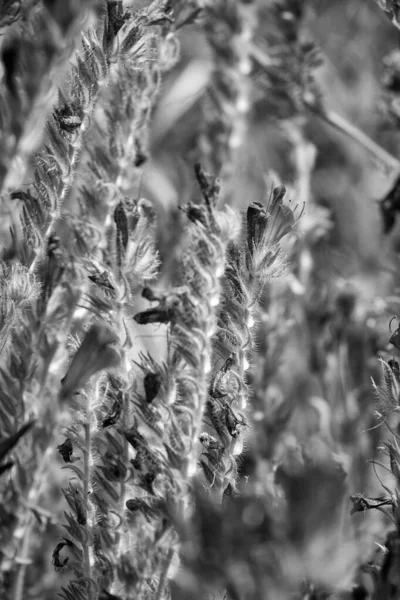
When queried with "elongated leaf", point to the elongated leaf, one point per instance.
{"points": [[8, 444]]}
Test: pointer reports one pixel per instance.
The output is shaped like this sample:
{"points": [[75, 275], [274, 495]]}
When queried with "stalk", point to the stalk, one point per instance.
{"points": [[354, 133], [34, 496], [87, 475], [163, 579]]}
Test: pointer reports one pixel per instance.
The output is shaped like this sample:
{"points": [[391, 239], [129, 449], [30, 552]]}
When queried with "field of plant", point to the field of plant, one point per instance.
{"points": [[199, 300]]}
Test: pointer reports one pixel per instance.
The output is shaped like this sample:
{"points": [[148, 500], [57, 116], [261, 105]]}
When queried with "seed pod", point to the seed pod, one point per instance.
{"points": [[74, 497], [395, 339], [395, 368], [195, 214], [121, 221], [152, 384], [66, 449], [233, 423], [114, 414], [257, 220], [115, 20], [103, 281]]}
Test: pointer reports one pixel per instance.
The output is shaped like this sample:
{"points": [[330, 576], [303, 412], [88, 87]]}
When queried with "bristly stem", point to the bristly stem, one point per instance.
{"points": [[86, 477], [46, 236], [19, 585], [33, 497]]}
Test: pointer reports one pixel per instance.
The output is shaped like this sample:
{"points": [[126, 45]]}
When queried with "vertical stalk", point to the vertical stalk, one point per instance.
{"points": [[163, 578], [354, 133], [24, 561], [86, 477], [33, 498]]}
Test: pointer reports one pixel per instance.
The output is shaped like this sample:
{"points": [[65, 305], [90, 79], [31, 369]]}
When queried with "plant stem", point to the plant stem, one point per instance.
{"points": [[339, 123], [86, 479], [45, 237], [24, 561], [34, 495], [163, 578]]}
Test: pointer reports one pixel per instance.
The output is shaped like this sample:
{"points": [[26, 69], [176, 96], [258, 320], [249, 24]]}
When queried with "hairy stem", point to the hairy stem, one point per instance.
{"points": [[34, 495], [86, 479]]}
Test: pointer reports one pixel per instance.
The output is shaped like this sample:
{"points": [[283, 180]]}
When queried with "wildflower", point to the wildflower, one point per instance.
{"points": [[66, 449], [94, 354], [265, 229]]}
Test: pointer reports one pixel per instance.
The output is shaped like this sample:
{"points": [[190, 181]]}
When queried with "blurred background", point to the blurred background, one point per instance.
{"points": [[353, 37]]}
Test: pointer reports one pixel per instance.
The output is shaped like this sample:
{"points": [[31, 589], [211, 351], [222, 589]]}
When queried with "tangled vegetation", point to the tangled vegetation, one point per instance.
{"points": [[199, 342]]}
